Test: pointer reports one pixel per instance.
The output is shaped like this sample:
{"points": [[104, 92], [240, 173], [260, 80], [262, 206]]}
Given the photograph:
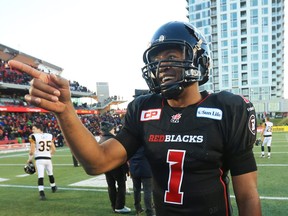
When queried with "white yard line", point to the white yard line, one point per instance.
{"points": [[105, 190]]}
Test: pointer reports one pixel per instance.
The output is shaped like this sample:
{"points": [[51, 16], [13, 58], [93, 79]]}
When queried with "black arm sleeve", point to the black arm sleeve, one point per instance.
{"points": [[130, 134], [129, 142], [240, 132]]}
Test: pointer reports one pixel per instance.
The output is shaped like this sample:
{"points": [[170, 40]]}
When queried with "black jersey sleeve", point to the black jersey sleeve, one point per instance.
{"points": [[239, 132], [32, 137], [129, 141], [129, 135]]}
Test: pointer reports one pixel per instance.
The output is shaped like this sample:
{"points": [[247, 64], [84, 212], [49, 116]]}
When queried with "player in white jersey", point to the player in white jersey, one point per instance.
{"points": [[42, 148], [266, 136]]}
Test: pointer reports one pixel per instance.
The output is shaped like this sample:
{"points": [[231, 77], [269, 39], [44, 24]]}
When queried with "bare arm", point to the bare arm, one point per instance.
{"points": [[247, 197], [32, 150], [52, 93], [52, 148], [94, 157], [262, 131]]}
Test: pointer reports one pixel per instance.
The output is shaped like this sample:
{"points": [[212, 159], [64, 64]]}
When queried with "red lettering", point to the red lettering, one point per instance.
{"points": [[151, 138], [150, 114], [162, 138], [156, 138]]}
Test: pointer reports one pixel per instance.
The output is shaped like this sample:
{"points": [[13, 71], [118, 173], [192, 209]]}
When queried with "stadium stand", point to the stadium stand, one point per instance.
{"points": [[16, 116]]}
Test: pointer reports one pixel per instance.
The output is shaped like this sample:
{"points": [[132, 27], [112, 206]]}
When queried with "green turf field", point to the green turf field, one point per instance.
{"points": [[19, 194]]}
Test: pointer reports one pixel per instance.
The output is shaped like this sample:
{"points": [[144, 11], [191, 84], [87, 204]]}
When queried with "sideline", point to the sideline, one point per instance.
{"points": [[60, 188], [272, 165], [98, 183], [105, 190]]}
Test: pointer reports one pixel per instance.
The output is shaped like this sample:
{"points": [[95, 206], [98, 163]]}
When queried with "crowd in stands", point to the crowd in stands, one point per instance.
{"points": [[12, 76], [18, 125], [8, 75], [14, 125]]}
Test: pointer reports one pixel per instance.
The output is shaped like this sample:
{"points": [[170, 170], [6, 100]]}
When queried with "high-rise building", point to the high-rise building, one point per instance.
{"points": [[102, 90], [247, 45]]}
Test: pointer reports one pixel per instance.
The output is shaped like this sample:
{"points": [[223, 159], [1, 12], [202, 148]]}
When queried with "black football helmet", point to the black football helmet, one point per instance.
{"points": [[195, 66], [29, 168], [106, 126], [258, 142]]}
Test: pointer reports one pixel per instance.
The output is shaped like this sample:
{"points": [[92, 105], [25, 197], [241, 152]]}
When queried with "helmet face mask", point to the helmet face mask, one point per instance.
{"points": [[193, 67]]}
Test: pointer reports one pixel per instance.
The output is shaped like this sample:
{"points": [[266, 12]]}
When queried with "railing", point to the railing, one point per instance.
{"points": [[2, 142], [13, 147]]}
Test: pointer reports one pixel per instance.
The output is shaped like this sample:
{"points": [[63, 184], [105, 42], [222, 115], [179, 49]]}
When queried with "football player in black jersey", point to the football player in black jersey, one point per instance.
{"points": [[192, 139]]}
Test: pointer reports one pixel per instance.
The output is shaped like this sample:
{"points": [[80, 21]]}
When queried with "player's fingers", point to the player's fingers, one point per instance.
{"points": [[29, 70], [58, 82], [43, 95], [41, 89], [56, 107]]}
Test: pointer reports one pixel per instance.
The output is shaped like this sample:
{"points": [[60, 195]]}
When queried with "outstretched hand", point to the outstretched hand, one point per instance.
{"points": [[47, 91]]}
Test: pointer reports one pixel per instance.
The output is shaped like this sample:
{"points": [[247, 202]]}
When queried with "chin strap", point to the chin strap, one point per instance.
{"points": [[173, 92]]}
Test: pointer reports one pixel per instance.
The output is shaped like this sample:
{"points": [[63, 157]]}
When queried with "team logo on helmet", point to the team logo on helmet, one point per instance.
{"points": [[161, 38]]}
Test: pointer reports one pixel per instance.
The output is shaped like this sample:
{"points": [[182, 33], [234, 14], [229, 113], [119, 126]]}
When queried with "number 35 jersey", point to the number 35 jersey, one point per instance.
{"points": [[43, 142], [192, 149]]}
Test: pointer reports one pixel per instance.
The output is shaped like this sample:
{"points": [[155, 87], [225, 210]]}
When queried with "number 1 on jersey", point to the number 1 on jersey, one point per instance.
{"points": [[175, 158]]}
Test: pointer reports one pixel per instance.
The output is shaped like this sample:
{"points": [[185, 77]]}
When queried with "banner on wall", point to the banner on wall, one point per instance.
{"points": [[36, 109]]}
